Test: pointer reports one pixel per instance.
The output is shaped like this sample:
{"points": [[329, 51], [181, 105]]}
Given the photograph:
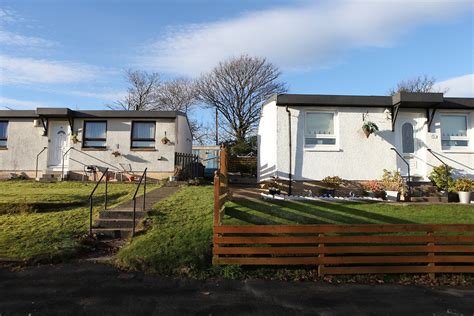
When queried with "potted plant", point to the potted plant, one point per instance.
{"points": [[369, 128], [374, 189], [442, 178], [331, 184], [464, 187], [74, 139], [116, 153], [274, 188], [165, 140], [392, 183]]}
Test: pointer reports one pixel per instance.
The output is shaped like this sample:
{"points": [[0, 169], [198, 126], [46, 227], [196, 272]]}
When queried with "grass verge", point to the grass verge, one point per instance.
{"points": [[56, 234]]}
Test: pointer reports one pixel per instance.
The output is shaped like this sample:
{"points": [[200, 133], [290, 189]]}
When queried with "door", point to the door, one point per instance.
{"points": [[410, 144], [58, 144]]}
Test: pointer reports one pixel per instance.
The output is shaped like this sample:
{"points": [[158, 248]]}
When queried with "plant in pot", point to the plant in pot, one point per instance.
{"points": [[369, 128], [392, 182], [442, 178], [165, 140], [464, 187], [274, 187], [331, 183], [374, 189]]}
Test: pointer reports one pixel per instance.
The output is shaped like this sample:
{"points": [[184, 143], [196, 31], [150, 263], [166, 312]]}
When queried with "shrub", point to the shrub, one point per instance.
{"points": [[332, 182], [439, 176], [392, 181], [464, 185], [372, 185]]}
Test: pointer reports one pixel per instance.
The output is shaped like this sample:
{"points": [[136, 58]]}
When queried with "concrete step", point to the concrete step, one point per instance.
{"points": [[430, 199], [121, 214], [112, 232], [114, 223]]}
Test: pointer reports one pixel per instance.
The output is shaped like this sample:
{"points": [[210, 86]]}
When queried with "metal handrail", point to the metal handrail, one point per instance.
{"points": [[408, 167], [445, 167], [62, 165], [37, 157], [91, 196], [143, 178]]}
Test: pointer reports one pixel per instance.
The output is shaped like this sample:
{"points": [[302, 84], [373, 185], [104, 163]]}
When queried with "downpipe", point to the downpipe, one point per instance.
{"points": [[289, 151]]}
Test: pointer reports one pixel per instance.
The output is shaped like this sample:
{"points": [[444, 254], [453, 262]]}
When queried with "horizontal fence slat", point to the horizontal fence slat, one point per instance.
{"points": [[398, 269], [268, 261], [342, 249], [398, 259], [342, 239], [360, 228]]}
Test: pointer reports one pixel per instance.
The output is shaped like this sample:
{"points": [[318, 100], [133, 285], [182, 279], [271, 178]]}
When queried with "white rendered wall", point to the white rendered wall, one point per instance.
{"points": [[266, 139], [184, 138]]}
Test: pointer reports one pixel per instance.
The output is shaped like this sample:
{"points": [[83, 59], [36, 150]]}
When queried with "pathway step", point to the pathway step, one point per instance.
{"points": [[114, 223], [113, 232], [121, 214]]}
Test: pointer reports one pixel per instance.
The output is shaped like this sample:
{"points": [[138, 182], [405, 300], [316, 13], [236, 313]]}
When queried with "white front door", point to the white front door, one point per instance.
{"points": [[58, 144], [410, 138]]}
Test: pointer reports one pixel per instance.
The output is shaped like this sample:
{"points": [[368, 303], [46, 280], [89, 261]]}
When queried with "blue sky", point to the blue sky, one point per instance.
{"points": [[74, 53]]}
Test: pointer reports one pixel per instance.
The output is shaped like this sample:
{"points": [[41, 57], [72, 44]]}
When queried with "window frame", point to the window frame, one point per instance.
{"points": [[143, 139], [84, 138], [6, 138], [450, 138], [335, 135]]}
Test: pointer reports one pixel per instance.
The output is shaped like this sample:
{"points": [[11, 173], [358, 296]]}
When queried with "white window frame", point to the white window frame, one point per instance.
{"points": [[322, 147], [467, 137]]}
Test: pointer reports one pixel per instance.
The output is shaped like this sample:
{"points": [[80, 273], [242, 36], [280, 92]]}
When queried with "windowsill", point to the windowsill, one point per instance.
{"points": [[325, 149], [3, 148], [94, 148], [143, 149], [457, 151]]}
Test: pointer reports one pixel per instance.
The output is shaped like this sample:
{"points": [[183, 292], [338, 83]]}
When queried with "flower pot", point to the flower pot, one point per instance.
{"points": [[392, 195], [464, 197], [453, 197], [366, 132]]}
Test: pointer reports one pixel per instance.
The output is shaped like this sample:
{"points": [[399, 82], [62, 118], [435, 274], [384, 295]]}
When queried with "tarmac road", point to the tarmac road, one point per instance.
{"points": [[99, 289]]}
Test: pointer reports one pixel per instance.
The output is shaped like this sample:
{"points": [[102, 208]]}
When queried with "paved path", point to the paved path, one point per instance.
{"points": [[152, 197], [96, 289]]}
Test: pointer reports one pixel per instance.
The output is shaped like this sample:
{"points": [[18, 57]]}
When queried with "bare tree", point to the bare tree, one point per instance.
{"points": [[237, 88], [141, 94], [421, 83], [176, 95]]}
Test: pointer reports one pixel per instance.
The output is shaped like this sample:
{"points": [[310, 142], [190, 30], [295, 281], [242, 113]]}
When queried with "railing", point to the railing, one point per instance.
{"points": [[408, 167], [446, 168], [37, 157], [62, 164], [91, 203], [189, 165], [143, 178]]}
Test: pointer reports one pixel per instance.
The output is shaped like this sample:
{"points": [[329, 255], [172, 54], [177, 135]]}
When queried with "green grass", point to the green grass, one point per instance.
{"points": [[262, 212], [180, 239], [51, 234]]}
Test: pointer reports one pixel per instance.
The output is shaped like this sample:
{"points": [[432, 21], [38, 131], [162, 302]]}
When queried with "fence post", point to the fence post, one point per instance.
{"points": [[320, 257], [217, 190], [432, 275]]}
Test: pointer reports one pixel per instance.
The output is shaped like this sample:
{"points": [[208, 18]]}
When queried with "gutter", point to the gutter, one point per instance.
{"points": [[289, 146]]}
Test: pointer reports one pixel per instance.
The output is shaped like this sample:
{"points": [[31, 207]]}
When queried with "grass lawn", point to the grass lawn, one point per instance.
{"points": [[179, 241], [49, 220], [245, 212]]}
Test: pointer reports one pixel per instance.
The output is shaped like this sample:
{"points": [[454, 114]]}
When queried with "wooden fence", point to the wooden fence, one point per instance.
{"points": [[221, 186], [187, 166], [342, 249], [350, 249]]}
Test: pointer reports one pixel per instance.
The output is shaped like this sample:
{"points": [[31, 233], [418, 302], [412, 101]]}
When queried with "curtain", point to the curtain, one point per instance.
{"points": [[319, 123], [3, 129], [143, 130], [453, 125], [96, 130]]}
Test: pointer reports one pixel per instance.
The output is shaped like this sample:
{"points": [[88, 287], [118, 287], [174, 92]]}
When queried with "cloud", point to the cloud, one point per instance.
{"points": [[13, 39], [9, 16], [462, 86], [107, 95], [14, 70], [306, 36], [23, 104]]}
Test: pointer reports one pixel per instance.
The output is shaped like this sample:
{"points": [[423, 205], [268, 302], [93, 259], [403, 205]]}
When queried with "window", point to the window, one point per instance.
{"points": [[454, 131], [143, 134], [319, 129], [95, 134], [408, 141], [3, 134]]}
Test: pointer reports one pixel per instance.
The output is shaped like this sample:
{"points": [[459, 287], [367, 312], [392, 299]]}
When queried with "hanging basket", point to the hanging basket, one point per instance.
{"points": [[366, 132]]}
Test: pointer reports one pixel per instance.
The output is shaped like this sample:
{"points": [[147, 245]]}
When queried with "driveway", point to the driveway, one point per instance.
{"points": [[90, 288]]}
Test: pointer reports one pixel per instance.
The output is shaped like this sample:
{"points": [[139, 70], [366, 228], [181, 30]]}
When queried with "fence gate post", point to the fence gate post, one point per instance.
{"points": [[320, 257], [432, 275]]}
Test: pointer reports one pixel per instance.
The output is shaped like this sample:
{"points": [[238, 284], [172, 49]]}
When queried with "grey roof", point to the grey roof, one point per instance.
{"points": [[66, 112], [403, 99]]}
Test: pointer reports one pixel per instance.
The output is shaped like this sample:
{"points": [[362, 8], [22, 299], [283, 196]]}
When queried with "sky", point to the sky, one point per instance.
{"points": [[74, 53]]}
